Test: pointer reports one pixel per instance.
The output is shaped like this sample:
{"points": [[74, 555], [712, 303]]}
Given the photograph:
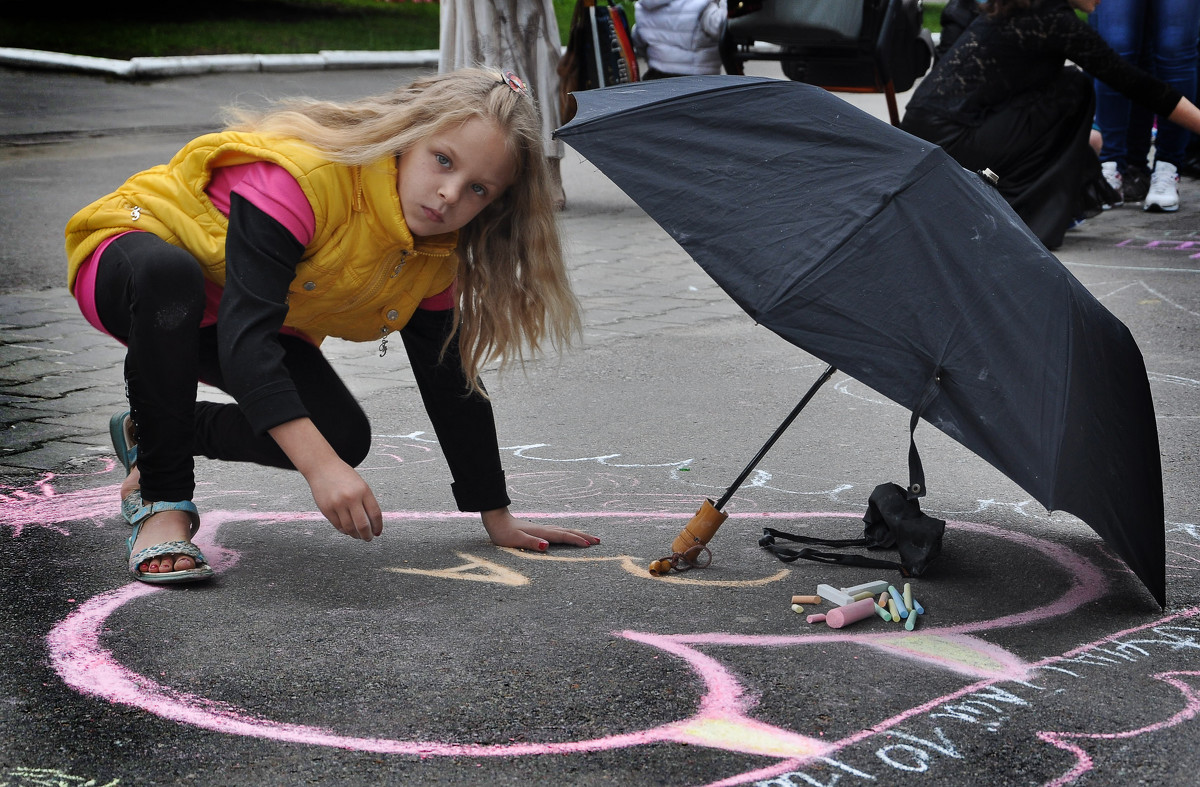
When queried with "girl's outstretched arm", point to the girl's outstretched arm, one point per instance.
{"points": [[505, 530], [339, 491], [466, 430]]}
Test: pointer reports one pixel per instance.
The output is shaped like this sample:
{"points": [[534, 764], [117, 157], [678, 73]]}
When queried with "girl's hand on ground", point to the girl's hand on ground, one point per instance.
{"points": [[505, 530], [346, 501]]}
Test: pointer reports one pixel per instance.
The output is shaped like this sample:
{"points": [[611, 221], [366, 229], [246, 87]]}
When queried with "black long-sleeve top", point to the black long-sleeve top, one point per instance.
{"points": [[997, 59], [261, 260]]}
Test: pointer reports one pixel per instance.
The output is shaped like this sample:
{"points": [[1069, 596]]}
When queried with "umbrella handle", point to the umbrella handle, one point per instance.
{"points": [[703, 526], [699, 529]]}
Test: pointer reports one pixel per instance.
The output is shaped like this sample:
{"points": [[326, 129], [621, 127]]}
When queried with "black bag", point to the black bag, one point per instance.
{"points": [[597, 27], [905, 46], [893, 521]]}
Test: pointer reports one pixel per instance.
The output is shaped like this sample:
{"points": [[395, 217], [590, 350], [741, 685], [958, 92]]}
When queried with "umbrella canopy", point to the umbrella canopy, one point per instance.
{"points": [[876, 252]]}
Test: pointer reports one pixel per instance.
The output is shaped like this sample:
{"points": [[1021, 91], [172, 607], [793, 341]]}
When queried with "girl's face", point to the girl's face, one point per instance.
{"points": [[448, 178]]}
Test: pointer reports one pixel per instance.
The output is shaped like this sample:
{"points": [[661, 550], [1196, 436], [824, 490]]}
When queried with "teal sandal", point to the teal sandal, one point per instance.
{"points": [[120, 429], [202, 570]]}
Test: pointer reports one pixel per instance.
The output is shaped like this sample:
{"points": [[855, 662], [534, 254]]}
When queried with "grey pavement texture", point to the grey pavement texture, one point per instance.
{"points": [[431, 657]]}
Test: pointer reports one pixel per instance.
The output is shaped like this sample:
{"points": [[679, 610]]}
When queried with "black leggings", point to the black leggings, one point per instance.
{"points": [[150, 295]]}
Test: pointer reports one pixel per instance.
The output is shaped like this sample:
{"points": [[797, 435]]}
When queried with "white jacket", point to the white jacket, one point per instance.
{"points": [[680, 36]]}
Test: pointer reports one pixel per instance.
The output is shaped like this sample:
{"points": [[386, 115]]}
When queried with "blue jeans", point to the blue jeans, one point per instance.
{"points": [[1165, 34]]}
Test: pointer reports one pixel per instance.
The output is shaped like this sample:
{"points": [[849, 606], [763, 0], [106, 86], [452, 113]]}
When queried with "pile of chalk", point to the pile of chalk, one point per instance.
{"points": [[859, 603]]}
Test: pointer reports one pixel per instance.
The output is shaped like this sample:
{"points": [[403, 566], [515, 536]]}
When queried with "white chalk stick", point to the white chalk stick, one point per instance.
{"points": [[839, 598], [875, 588]]}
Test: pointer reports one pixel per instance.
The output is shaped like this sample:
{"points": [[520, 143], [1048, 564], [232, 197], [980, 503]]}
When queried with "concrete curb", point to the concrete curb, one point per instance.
{"points": [[142, 67]]}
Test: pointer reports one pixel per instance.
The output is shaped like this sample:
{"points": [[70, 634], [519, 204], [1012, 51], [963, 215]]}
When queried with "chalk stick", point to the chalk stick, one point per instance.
{"points": [[883, 599], [817, 618], [881, 612], [797, 609], [911, 623], [908, 595], [892, 609], [878, 586], [851, 613], [806, 599], [861, 596], [920, 610], [839, 598], [899, 600]]}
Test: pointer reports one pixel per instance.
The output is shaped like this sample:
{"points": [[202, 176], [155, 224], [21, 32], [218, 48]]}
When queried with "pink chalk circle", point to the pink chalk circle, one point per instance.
{"points": [[851, 613]]}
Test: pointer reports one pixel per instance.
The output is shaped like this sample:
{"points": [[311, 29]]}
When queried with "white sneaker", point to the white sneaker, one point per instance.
{"points": [[1164, 188], [1113, 176]]}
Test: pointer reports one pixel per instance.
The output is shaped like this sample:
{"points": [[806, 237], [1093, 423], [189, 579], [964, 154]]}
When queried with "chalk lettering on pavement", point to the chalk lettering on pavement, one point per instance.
{"points": [[1003, 692]]}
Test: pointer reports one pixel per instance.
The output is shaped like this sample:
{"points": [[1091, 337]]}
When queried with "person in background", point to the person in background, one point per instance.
{"points": [[1003, 98], [679, 37], [511, 35], [1168, 31]]}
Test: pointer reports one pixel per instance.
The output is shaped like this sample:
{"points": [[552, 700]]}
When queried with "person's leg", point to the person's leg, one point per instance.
{"points": [[150, 295], [1137, 168], [1136, 174], [1120, 23], [1176, 25], [222, 431], [1176, 28]]}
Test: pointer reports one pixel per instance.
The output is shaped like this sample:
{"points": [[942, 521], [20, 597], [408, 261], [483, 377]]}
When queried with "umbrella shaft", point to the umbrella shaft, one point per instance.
{"points": [[778, 433]]}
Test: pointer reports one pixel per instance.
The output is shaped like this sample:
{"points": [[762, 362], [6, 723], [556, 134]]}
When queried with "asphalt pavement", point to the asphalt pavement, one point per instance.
{"points": [[431, 657]]}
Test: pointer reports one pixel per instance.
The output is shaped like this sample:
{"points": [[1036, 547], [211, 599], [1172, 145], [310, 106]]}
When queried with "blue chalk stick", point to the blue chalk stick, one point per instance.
{"points": [[899, 599]]}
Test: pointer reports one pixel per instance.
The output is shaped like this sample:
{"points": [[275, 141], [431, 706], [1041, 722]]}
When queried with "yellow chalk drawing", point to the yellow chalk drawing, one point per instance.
{"points": [[747, 736], [636, 566], [476, 569], [965, 655]]}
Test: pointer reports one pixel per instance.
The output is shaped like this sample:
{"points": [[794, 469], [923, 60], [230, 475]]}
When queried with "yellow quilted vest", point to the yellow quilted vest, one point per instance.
{"points": [[361, 276]]}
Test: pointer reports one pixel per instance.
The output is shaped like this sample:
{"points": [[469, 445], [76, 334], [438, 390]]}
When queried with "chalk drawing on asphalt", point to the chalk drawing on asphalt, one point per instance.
{"points": [[48, 777], [724, 718]]}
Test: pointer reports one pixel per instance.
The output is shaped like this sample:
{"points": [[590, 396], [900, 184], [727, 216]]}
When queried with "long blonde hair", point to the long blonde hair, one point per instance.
{"points": [[514, 294]]}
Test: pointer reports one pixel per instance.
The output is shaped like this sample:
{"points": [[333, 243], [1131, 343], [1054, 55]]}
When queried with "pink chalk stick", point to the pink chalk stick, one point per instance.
{"points": [[817, 618], [851, 613]]}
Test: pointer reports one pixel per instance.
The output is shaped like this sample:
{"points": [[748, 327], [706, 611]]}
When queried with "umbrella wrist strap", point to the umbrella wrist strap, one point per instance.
{"points": [[916, 471], [807, 553], [770, 534]]}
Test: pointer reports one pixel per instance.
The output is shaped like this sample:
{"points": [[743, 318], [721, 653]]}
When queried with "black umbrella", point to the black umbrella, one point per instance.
{"points": [[876, 252]]}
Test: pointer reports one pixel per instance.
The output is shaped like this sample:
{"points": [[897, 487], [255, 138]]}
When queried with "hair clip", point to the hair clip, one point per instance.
{"points": [[516, 83]]}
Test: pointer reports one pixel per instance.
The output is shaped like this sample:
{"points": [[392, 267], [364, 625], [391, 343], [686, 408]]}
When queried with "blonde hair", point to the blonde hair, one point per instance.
{"points": [[513, 291]]}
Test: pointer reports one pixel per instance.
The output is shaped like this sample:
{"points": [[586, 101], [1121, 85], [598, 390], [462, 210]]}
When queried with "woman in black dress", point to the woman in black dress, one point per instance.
{"points": [[1004, 98]]}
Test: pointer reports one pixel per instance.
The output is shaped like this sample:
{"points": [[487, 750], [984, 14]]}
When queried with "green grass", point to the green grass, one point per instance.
{"points": [[241, 26]]}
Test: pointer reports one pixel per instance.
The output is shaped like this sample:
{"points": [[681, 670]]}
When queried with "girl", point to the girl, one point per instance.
{"points": [[427, 211]]}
